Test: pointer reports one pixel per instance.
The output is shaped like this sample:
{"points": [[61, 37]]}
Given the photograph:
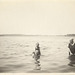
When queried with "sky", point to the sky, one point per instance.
{"points": [[37, 17]]}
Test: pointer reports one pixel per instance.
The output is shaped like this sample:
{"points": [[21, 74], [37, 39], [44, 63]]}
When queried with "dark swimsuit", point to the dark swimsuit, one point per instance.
{"points": [[37, 56], [72, 48]]}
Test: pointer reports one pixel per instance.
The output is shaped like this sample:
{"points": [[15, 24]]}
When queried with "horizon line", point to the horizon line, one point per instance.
{"points": [[37, 35]]}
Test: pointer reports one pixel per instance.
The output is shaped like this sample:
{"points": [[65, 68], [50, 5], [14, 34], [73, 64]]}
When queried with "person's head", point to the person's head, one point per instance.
{"points": [[37, 44], [72, 41]]}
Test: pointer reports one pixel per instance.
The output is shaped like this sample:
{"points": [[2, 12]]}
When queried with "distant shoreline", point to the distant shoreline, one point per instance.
{"points": [[34, 35]]}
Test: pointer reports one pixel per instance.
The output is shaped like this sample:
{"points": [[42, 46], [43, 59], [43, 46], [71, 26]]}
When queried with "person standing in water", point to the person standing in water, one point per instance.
{"points": [[37, 55], [37, 52], [71, 46]]}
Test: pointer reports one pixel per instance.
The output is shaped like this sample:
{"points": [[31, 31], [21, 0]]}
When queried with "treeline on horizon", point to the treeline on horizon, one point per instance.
{"points": [[70, 34]]}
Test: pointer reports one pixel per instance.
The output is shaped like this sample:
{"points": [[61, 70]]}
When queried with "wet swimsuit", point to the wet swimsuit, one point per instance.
{"points": [[37, 53], [72, 48]]}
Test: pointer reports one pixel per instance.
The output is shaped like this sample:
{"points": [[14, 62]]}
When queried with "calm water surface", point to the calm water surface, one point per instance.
{"points": [[16, 54]]}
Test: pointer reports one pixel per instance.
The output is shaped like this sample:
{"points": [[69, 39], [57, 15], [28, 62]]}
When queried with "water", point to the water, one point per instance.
{"points": [[16, 54]]}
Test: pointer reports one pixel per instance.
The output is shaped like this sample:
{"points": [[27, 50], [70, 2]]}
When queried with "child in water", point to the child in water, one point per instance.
{"points": [[36, 56], [37, 53]]}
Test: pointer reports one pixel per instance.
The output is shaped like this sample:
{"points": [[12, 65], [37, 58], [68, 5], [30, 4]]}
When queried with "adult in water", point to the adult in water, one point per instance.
{"points": [[71, 46]]}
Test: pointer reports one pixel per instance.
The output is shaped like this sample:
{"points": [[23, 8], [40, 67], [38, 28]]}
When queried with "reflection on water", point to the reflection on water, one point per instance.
{"points": [[72, 60], [37, 65]]}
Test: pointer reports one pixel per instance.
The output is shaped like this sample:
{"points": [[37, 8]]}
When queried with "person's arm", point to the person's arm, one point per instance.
{"points": [[69, 46]]}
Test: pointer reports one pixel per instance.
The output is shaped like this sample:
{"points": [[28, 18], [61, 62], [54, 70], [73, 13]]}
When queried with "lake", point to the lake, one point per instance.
{"points": [[16, 54]]}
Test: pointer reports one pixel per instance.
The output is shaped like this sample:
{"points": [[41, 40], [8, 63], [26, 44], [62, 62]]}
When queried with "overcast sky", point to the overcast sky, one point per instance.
{"points": [[37, 17]]}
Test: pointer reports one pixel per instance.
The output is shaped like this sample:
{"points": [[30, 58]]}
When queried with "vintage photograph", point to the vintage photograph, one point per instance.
{"points": [[37, 36]]}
